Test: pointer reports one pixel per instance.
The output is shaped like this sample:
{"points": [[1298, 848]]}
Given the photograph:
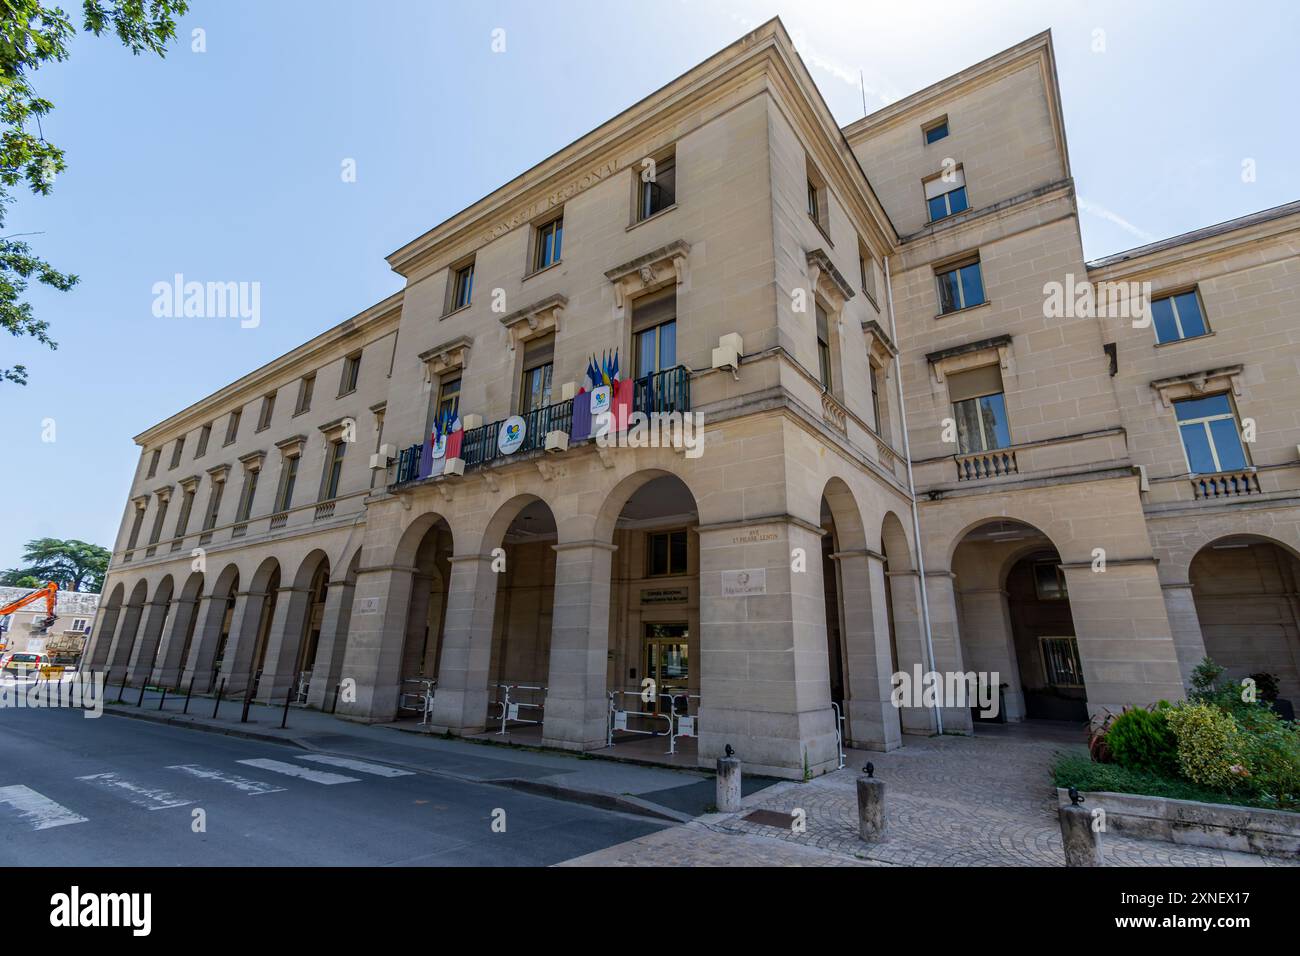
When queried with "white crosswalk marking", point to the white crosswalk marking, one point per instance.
{"points": [[147, 797], [358, 765], [305, 773], [36, 809], [243, 784]]}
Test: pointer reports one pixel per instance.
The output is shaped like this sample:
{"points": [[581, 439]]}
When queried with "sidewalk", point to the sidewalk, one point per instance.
{"points": [[667, 794]]}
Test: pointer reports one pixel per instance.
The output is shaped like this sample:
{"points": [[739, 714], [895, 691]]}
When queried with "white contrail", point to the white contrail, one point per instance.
{"points": [[1101, 212]]}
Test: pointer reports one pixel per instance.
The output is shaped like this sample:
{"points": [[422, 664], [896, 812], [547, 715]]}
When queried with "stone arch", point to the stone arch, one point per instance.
{"points": [[106, 627], [616, 499], [145, 652], [128, 627], [178, 638]]}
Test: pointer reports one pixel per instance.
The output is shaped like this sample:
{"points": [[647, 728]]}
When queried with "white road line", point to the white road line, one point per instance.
{"points": [[36, 809], [305, 773], [147, 797], [243, 784], [358, 765]]}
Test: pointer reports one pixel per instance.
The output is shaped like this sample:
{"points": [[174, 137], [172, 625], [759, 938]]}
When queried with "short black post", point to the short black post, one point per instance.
{"points": [[143, 684], [335, 706], [220, 690], [108, 682], [248, 698], [162, 700], [187, 696], [284, 719], [122, 690]]}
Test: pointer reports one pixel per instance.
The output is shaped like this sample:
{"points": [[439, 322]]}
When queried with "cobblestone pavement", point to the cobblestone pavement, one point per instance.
{"points": [[950, 801]]}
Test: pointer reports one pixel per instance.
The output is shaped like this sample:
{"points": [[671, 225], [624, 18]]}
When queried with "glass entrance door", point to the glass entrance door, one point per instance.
{"points": [[667, 661]]}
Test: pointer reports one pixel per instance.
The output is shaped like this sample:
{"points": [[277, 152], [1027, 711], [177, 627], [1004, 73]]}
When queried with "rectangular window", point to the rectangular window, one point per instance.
{"points": [[867, 272], [1177, 317], [935, 130], [214, 505], [247, 495], [535, 392], [1049, 582], [177, 449], [654, 333], [549, 240], [154, 457], [945, 195], [979, 409], [158, 518], [288, 478], [333, 470], [351, 373], [1061, 665], [666, 553], [448, 405], [960, 287], [1210, 435], [268, 409], [204, 435], [875, 397], [814, 202], [659, 193], [306, 385], [79, 624], [183, 519], [462, 288], [232, 426], [823, 349]]}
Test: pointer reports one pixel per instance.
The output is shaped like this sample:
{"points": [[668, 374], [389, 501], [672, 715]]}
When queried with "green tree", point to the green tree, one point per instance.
{"points": [[33, 33], [74, 565]]}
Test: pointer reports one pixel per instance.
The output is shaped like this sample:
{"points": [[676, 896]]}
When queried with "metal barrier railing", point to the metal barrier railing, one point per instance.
{"points": [[839, 732], [510, 709], [681, 722], [419, 698], [304, 683]]}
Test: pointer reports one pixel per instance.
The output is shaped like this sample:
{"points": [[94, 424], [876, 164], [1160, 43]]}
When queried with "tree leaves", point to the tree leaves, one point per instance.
{"points": [[74, 565]]}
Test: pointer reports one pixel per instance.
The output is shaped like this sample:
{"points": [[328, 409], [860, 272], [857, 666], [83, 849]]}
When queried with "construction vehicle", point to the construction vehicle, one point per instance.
{"points": [[41, 625]]}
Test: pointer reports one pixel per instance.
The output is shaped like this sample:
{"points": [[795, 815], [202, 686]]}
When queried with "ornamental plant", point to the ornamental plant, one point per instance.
{"points": [[1141, 739], [1210, 748]]}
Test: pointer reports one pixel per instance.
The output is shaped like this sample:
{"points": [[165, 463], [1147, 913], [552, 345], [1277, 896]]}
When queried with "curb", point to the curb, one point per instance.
{"points": [[595, 798]]}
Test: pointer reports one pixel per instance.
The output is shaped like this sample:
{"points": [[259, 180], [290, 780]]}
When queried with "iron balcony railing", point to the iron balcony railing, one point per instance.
{"points": [[659, 392]]}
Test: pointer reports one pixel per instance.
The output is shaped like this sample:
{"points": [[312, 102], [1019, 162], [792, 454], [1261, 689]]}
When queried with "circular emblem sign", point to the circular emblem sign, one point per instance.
{"points": [[600, 399], [440, 447], [511, 435]]}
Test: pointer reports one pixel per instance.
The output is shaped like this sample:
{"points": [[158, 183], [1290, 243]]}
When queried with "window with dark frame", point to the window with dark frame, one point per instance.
{"points": [[232, 426], [1210, 435], [814, 202], [187, 506], [247, 495], [264, 416], [666, 553], [154, 457], [946, 197], [935, 130], [447, 407], [333, 470], [205, 434], [654, 333], [539, 366], [1177, 317], [1061, 664], [306, 386], [1049, 581], [462, 287], [961, 286], [979, 409], [214, 505], [657, 195], [177, 449], [824, 349], [548, 244], [874, 374], [288, 478], [351, 374]]}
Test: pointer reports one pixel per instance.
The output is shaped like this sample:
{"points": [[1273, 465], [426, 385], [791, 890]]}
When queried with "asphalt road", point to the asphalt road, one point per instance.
{"points": [[118, 792]]}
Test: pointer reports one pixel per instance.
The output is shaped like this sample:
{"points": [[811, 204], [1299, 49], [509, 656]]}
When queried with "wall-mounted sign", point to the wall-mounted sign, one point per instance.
{"points": [[600, 398], [665, 596], [744, 583], [754, 537], [440, 447], [511, 435]]}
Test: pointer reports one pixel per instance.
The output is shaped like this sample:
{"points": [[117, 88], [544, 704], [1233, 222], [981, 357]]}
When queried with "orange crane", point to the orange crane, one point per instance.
{"points": [[50, 592]]}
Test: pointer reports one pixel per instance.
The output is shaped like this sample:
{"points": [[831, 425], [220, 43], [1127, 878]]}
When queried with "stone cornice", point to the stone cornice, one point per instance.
{"points": [[879, 345], [1193, 384], [535, 320], [291, 446], [253, 460], [828, 280], [448, 355]]}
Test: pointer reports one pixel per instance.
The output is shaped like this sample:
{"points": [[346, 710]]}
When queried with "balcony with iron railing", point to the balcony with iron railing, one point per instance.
{"points": [[663, 392]]}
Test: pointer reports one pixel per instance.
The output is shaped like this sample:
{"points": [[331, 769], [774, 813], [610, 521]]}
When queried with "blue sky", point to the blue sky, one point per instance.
{"points": [[225, 166]]}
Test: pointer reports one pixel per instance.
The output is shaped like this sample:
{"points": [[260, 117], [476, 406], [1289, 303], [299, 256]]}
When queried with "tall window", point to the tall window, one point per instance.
{"points": [[306, 385], [946, 197], [246, 496], [874, 374], [1210, 435], [1177, 317], [867, 272], [204, 435], [462, 288], [448, 404], [824, 349], [214, 505], [351, 372], [333, 470], [654, 332], [232, 426], [658, 195], [158, 518], [288, 478], [550, 239], [136, 523], [979, 409], [814, 202], [960, 286], [177, 449], [539, 358], [666, 553], [154, 457], [183, 519], [268, 409]]}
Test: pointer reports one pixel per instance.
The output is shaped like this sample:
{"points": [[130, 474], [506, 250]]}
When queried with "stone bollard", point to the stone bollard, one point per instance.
{"points": [[871, 805], [1082, 842], [729, 782]]}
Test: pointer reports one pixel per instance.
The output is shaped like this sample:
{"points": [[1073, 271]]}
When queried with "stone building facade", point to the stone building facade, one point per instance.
{"points": [[921, 448]]}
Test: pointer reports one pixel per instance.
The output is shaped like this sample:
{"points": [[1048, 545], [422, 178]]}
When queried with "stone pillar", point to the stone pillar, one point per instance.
{"points": [[989, 645], [203, 648], [284, 641], [128, 623], [873, 722], [417, 621], [238, 654], [945, 633], [764, 667], [1185, 625], [1125, 643], [909, 637], [181, 624], [577, 702], [460, 701], [140, 666], [333, 643], [376, 627], [728, 785], [96, 654]]}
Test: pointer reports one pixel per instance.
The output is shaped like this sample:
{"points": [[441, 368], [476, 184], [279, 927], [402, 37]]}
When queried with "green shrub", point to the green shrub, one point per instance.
{"points": [[1210, 745], [1076, 770], [1141, 740], [1271, 748]]}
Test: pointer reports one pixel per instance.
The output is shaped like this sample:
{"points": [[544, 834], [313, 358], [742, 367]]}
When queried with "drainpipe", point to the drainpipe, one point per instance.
{"points": [[911, 487]]}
